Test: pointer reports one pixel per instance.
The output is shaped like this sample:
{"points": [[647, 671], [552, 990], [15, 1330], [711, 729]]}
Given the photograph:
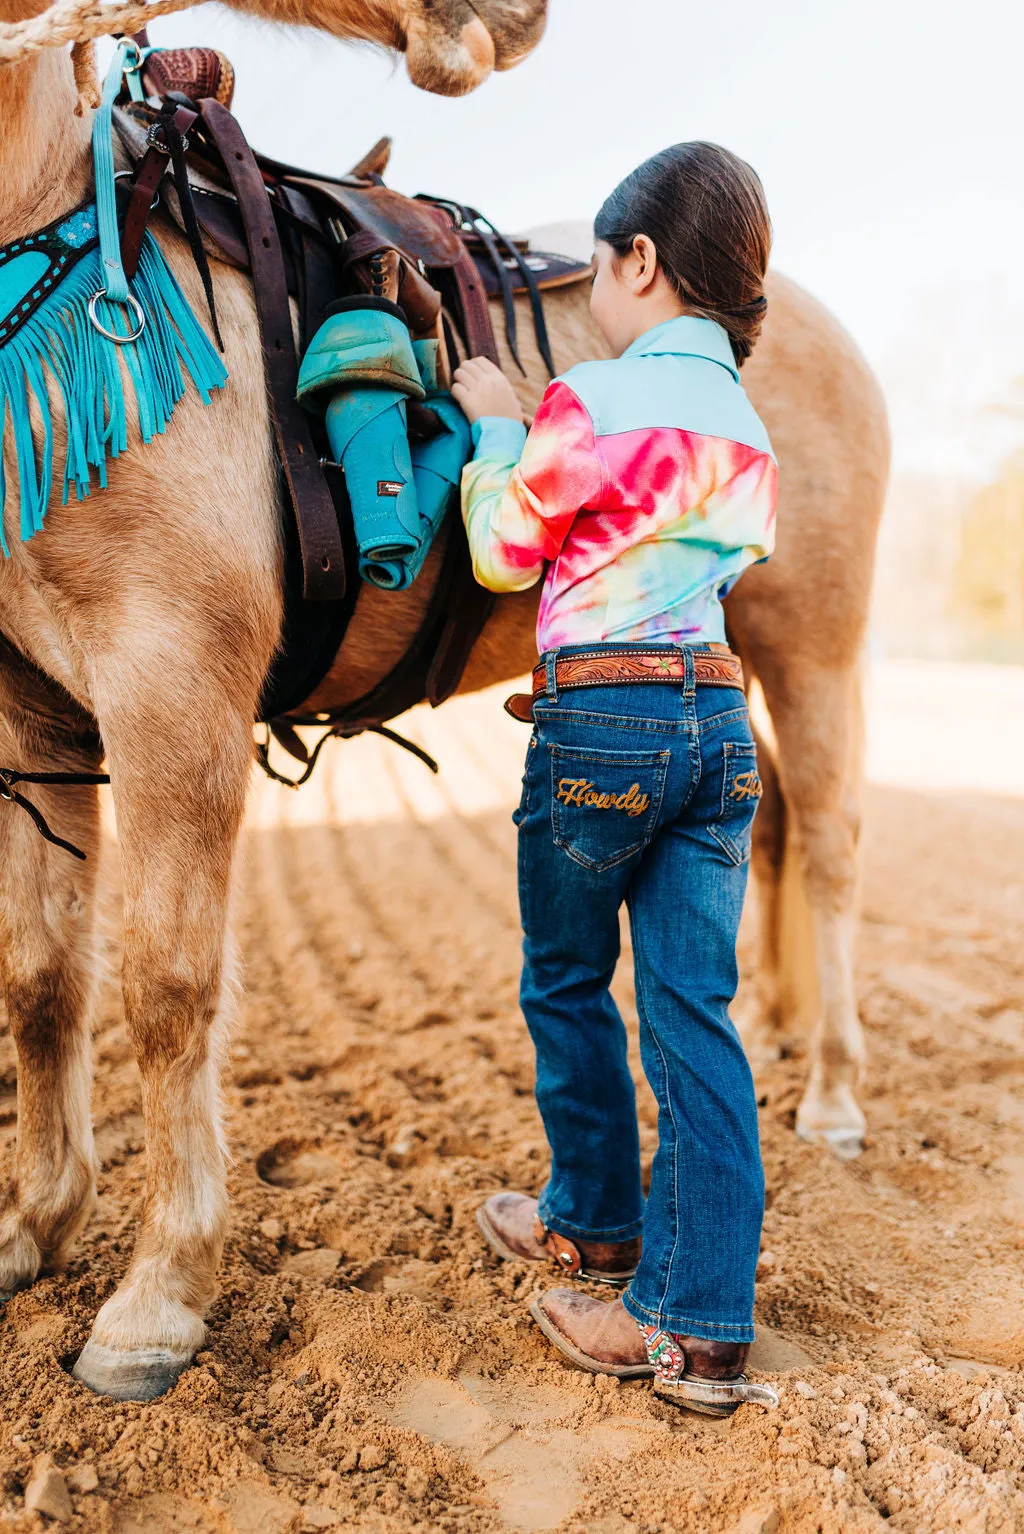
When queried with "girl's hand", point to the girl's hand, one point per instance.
{"points": [[482, 389]]}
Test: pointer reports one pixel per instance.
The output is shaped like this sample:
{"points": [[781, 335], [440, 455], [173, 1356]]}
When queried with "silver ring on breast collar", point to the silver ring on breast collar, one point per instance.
{"points": [[131, 303]]}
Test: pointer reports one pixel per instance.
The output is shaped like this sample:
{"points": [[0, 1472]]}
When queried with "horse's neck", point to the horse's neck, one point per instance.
{"points": [[44, 147]]}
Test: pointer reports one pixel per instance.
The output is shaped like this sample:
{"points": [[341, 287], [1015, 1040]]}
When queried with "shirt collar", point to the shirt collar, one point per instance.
{"points": [[687, 336]]}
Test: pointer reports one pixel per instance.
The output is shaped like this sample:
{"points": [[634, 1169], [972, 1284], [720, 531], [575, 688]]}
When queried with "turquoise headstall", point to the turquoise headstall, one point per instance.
{"points": [[71, 327]]}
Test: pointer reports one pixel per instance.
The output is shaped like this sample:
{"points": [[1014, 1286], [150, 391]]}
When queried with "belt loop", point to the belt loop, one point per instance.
{"points": [[550, 662], [689, 679]]}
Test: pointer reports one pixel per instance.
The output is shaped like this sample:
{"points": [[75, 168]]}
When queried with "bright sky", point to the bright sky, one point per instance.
{"points": [[889, 135]]}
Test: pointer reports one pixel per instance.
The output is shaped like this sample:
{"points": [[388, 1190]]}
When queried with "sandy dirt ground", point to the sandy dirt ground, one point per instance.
{"points": [[370, 1365]]}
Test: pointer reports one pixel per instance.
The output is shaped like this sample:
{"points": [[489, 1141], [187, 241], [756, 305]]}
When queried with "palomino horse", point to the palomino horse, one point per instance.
{"points": [[141, 624]]}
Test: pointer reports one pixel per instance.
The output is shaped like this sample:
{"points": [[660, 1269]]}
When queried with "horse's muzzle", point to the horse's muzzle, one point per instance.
{"points": [[453, 45]]}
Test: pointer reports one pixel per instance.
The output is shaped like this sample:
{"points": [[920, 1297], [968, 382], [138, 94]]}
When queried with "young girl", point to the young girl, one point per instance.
{"points": [[645, 488]]}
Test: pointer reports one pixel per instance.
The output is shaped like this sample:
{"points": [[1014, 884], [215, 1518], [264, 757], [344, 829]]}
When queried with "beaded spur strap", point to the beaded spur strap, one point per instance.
{"points": [[601, 668]]}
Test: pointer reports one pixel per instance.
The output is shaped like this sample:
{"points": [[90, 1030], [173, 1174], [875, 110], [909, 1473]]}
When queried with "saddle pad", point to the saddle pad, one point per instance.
{"points": [[550, 270]]}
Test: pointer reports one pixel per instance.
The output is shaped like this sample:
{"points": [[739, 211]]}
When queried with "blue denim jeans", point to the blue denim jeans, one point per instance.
{"points": [[645, 795]]}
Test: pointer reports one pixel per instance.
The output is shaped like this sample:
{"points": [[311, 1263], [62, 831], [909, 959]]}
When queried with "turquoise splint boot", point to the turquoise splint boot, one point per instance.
{"points": [[360, 369]]}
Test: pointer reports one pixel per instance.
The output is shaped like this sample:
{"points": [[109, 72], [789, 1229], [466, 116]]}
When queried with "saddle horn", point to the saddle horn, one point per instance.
{"points": [[375, 161]]}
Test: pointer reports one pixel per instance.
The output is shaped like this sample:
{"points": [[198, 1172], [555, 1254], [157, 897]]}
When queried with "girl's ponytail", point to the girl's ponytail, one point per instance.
{"points": [[705, 211]]}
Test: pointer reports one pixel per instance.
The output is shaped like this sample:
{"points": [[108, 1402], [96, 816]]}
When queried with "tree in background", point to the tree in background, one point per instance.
{"points": [[989, 575]]}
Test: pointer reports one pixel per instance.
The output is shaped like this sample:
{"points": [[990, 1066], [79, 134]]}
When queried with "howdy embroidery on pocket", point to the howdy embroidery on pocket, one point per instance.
{"points": [[741, 791], [626, 787], [746, 785], [584, 793]]}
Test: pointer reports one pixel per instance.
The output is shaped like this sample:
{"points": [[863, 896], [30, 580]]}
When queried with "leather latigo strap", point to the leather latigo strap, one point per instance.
{"points": [[601, 668], [476, 314], [148, 175], [463, 289], [323, 564], [468, 606], [394, 220]]}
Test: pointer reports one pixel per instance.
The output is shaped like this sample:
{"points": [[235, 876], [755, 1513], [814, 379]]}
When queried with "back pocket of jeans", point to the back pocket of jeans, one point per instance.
{"points": [[741, 791], [605, 804]]}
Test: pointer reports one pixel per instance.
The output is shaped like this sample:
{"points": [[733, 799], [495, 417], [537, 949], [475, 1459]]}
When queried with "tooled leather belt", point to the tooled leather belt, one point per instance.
{"points": [[617, 668]]}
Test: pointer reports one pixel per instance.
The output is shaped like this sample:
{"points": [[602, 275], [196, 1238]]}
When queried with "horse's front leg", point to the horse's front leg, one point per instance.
{"points": [[47, 964], [179, 758]]}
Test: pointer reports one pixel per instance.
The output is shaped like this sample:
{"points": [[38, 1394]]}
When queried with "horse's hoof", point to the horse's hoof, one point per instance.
{"points": [[847, 1144], [136, 1376]]}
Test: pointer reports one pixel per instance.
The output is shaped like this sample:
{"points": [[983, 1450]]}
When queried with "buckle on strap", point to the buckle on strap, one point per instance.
{"points": [[155, 139], [564, 1251]]}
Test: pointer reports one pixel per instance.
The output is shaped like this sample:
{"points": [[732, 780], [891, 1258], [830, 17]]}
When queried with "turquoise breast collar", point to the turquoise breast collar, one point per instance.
{"points": [[69, 320], [31, 267]]}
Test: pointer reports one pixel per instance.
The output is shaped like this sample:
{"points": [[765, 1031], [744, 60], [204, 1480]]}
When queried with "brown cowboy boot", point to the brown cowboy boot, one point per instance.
{"points": [[512, 1228], [691, 1371]]}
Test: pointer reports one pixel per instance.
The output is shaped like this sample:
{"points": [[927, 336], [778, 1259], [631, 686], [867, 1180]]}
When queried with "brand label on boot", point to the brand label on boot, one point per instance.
{"points": [[390, 487]]}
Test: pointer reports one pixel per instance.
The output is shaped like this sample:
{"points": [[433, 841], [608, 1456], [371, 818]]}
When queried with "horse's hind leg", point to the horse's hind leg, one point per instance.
{"points": [[179, 747], [47, 963], [768, 848], [817, 719], [787, 994]]}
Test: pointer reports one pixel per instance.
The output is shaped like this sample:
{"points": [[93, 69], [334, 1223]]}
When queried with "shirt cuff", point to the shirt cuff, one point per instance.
{"points": [[498, 436]]}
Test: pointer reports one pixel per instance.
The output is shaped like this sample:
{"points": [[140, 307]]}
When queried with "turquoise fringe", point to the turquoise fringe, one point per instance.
{"points": [[59, 339]]}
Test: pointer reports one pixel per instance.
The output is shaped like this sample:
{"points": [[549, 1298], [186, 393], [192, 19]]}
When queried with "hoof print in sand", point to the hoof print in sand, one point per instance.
{"points": [[521, 1441], [295, 1164]]}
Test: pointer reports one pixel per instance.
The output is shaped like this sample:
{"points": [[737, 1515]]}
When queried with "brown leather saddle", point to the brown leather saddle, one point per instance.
{"points": [[309, 239]]}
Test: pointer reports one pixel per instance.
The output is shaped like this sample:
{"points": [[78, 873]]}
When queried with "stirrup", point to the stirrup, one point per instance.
{"points": [[715, 1398]]}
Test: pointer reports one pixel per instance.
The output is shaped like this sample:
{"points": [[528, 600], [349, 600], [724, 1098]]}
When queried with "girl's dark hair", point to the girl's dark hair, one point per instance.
{"points": [[704, 208]]}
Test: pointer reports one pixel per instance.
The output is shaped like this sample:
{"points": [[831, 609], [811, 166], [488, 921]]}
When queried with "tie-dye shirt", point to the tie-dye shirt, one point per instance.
{"points": [[647, 485]]}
